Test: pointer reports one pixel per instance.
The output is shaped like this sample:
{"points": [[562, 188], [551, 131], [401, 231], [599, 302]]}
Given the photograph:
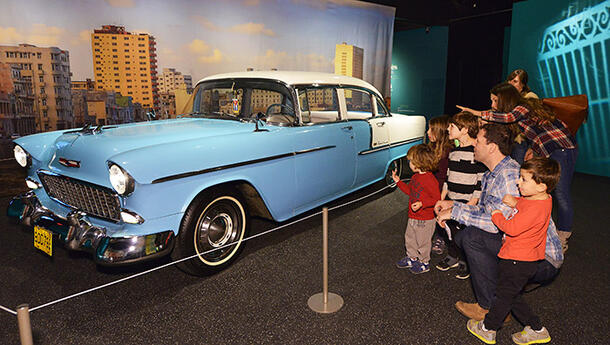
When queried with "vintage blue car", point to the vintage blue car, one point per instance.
{"points": [[269, 144]]}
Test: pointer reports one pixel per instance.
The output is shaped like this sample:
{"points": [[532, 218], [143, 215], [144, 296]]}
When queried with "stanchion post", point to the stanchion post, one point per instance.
{"points": [[325, 302], [25, 327]]}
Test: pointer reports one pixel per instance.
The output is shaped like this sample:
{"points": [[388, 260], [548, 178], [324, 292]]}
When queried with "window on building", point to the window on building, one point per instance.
{"points": [[116, 68], [114, 37], [42, 91], [114, 43], [117, 80], [40, 78], [39, 55], [40, 67]]}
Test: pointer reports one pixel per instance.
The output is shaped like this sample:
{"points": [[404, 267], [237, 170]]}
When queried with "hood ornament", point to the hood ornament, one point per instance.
{"points": [[69, 163]]}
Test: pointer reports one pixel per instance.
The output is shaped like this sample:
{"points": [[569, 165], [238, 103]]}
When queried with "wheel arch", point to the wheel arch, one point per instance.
{"points": [[252, 199]]}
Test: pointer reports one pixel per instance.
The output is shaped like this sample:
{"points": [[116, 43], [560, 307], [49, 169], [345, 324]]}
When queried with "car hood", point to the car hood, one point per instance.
{"points": [[93, 150]]}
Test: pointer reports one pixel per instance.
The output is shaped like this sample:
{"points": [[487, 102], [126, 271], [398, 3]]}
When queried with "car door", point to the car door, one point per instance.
{"points": [[325, 155], [371, 134]]}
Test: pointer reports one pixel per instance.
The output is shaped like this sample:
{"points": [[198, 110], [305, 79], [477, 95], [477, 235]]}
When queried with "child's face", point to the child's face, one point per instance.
{"points": [[431, 136], [529, 187], [454, 132], [413, 167], [494, 102]]}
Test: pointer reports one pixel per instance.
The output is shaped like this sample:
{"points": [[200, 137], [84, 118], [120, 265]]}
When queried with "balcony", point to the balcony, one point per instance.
{"points": [[40, 71], [44, 107], [42, 84]]}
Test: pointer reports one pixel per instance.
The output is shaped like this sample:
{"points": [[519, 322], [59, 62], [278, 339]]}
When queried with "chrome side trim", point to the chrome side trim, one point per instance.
{"points": [[235, 165], [384, 147]]}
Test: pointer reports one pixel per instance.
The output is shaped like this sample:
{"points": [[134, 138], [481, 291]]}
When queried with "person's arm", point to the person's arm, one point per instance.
{"points": [[480, 215], [518, 224], [444, 192], [515, 115], [472, 201], [403, 187]]}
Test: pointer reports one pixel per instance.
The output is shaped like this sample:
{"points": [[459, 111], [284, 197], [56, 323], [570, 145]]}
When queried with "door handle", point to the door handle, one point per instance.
{"points": [[380, 124], [349, 128]]}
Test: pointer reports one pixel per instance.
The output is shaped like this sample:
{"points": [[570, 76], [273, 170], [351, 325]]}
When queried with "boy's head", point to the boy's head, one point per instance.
{"points": [[539, 175], [463, 120], [422, 157]]}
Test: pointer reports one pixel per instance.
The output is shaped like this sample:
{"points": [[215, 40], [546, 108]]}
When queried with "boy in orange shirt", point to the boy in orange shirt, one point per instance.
{"points": [[523, 246]]}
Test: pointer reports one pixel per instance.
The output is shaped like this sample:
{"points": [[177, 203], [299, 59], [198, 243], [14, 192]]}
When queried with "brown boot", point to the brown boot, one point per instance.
{"points": [[471, 310], [475, 311], [563, 238]]}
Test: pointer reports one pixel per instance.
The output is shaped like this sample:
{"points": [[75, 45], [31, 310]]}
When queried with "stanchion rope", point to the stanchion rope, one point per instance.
{"points": [[6, 159], [192, 256], [8, 310]]}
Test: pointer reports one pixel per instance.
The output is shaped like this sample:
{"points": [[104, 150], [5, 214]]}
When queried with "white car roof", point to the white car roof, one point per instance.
{"points": [[297, 77]]}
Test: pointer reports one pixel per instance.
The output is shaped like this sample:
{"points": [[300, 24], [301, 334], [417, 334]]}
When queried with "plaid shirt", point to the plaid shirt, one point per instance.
{"points": [[500, 181], [545, 137], [495, 184]]}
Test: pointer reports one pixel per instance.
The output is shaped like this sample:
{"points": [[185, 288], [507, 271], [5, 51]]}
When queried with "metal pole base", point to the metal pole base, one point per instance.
{"points": [[316, 303]]}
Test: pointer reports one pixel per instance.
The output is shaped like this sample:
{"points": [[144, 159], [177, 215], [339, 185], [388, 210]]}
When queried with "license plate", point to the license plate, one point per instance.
{"points": [[43, 240]]}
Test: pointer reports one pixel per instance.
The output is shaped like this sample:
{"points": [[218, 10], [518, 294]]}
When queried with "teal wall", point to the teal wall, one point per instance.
{"points": [[419, 67], [565, 47]]}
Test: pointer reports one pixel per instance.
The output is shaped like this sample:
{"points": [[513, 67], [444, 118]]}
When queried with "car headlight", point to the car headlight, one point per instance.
{"points": [[120, 180], [21, 156]]}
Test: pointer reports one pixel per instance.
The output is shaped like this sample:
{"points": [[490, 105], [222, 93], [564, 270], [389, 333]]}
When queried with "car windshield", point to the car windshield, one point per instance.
{"points": [[243, 100]]}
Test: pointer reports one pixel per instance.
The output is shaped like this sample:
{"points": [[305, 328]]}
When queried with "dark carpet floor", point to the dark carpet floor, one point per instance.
{"points": [[262, 298]]}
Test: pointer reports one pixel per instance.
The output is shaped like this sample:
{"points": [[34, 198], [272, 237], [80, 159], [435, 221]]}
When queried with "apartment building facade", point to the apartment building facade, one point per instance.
{"points": [[126, 62], [171, 80], [42, 75]]}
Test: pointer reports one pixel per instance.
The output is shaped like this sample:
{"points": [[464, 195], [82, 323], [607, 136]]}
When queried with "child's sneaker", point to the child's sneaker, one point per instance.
{"points": [[529, 336], [405, 262], [463, 272], [419, 267], [476, 328], [438, 246], [447, 263]]}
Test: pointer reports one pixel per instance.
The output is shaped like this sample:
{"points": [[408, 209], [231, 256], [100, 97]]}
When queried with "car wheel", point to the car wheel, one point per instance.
{"points": [[213, 227], [397, 164]]}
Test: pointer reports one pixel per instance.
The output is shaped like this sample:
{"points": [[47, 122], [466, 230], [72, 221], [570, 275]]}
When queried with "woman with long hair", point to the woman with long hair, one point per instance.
{"points": [[518, 78], [438, 139], [548, 137]]}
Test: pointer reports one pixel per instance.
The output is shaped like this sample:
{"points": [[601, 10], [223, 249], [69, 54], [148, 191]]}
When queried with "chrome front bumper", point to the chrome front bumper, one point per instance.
{"points": [[77, 233]]}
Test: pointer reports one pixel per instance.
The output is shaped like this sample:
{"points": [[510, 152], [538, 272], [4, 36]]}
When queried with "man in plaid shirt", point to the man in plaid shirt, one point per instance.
{"points": [[481, 240]]}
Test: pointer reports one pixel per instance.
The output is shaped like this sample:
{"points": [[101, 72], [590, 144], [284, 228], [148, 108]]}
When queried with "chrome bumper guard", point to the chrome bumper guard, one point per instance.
{"points": [[78, 234]]}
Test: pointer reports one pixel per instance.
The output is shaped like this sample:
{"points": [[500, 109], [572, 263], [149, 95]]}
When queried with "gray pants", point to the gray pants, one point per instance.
{"points": [[418, 239]]}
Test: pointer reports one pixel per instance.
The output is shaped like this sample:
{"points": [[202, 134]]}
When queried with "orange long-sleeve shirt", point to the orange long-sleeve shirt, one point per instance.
{"points": [[525, 238]]}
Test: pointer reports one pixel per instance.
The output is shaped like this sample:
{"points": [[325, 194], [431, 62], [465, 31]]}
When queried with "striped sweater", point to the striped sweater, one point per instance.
{"points": [[464, 175]]}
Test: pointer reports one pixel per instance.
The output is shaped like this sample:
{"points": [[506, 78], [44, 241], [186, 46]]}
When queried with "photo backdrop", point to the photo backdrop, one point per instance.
{"points": [[206, 37], [565, 48]]}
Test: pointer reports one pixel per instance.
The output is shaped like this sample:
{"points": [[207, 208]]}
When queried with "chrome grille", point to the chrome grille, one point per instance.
{"points": [[92, 199]]}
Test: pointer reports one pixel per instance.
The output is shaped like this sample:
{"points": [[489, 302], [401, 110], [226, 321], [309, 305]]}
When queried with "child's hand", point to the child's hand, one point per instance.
{"points": [[416, 206], [509, 200], [395, 177]]}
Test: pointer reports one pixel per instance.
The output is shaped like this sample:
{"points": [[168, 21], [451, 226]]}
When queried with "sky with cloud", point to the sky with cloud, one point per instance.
{"points": [[204, 37]]}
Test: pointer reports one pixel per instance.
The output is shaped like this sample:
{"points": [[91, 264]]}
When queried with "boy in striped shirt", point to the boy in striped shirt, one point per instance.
{"points": [[463, 183]]}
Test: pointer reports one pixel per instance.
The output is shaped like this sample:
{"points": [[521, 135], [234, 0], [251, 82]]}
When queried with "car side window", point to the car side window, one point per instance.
{"points": [[276, 107], [319, 105], [381, 109], [358, 103]]}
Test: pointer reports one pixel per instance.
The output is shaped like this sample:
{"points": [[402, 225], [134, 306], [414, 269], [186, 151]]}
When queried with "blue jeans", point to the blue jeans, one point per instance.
{"points": [[518, 152], [565, 209], [545, 273], [481, 249]]}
